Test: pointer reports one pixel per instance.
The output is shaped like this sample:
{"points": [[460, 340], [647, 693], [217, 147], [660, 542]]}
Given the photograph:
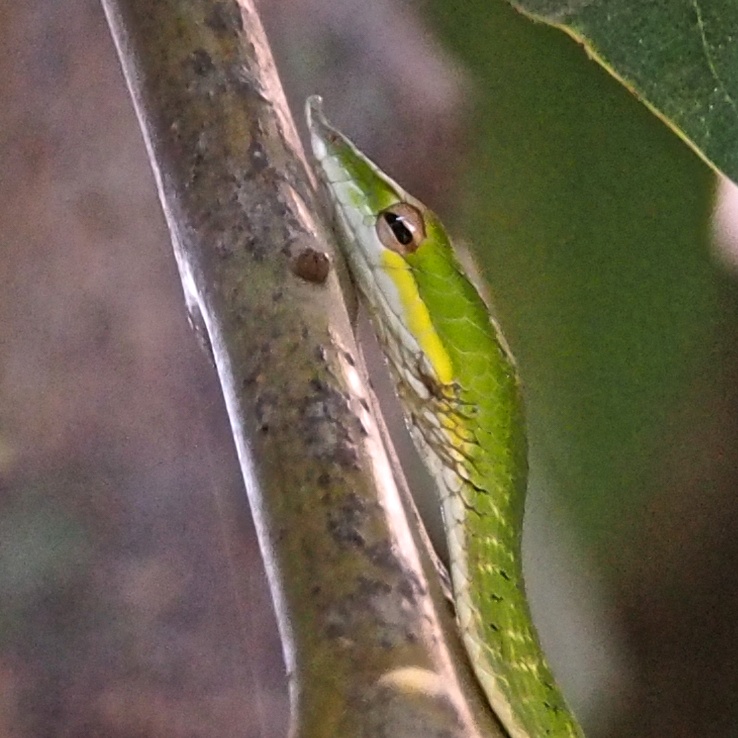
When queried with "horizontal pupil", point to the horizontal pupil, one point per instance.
{"points": [[402, 233]]}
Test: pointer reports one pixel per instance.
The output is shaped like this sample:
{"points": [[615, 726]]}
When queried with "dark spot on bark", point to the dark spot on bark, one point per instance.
{"points": [[343, 534], [257, 156], [349, 359], [328, 425], [381, 555], [345, 521], [410, 586], [372, 587], [311, 265], [389, 613], [201, 62], [334, 630], [346, 456], [265, 409], [224, 16]]}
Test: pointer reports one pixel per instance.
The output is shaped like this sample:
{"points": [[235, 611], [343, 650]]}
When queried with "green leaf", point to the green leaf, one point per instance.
{"points": [[679, 56]]}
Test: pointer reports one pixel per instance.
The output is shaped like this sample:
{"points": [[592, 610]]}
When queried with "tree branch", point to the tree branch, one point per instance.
{"points": [[368, 641]]}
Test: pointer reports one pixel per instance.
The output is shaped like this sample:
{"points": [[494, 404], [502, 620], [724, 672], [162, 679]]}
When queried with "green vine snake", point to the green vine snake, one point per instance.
{"points": [[460, 394]]}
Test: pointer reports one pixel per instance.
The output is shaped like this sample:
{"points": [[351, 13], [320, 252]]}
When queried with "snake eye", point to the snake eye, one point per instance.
{"points": [[401, 228]]}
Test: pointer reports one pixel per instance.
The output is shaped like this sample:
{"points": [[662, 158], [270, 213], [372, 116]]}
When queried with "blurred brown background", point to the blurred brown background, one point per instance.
{"points": [[118, 615]]}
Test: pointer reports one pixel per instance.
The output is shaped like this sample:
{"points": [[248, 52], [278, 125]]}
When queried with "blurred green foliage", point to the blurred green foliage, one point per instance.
{"points": [[591, 222]]}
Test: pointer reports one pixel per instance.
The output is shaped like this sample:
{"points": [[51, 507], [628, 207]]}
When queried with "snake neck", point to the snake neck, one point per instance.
{"points": [[480, 476]]}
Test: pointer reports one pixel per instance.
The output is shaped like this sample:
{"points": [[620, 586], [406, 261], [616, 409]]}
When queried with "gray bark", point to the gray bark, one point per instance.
{"points": [[368, 639]]}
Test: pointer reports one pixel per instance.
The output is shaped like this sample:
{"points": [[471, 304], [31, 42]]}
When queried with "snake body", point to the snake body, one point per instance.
{"points": [[460, 393]]}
